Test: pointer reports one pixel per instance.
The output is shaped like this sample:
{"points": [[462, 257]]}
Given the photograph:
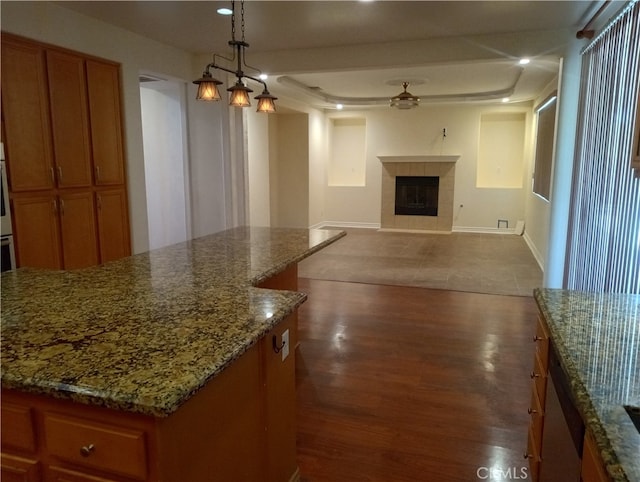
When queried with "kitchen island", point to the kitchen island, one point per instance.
{"points": [[172, 359], [594, 339]]}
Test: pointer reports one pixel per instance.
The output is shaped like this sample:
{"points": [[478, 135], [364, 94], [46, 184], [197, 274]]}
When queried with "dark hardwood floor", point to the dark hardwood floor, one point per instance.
{"points": [[412, 384]]}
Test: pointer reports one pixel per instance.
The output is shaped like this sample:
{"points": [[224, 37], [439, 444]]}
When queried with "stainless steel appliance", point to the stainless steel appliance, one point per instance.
{"points": [[7, 252]]}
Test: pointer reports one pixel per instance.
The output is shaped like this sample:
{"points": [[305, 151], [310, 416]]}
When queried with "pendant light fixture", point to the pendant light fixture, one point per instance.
{"points": [[239, 92], [405, 100]]}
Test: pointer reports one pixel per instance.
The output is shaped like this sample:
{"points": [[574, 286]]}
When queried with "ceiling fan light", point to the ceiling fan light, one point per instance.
{"points": [[405, 100], [207, 87], [239, 95], [265, 102]]}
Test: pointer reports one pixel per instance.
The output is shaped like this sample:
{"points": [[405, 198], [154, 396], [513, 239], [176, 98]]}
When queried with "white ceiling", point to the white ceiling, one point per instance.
{"points": [[329, 51]]}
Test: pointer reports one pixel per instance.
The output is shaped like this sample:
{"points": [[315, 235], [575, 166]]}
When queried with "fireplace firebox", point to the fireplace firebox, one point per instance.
{"points": [[417, 195]]}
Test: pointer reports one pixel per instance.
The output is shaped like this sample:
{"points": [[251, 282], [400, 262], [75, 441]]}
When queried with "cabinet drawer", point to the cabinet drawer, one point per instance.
{"points": [[537, 418], [539, 377], [18, 469], [534, 457], [542, 343], [58, 474], [106, 447], [17, 428]]}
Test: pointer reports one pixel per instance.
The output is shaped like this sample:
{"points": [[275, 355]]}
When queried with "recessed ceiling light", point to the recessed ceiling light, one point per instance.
{"points": [[339, 106], [224, 11], [505, 99], [524, 61], [263, 76]]}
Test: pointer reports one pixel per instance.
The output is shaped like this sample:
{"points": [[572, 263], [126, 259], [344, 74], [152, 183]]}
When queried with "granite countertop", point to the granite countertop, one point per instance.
{"points": [[144, 333], [597, 337]]}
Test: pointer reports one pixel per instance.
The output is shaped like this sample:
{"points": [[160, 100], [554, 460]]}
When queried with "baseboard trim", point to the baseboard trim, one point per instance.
{"points": [[478, 230], [534, 251], [344, 224], [416, 231]]}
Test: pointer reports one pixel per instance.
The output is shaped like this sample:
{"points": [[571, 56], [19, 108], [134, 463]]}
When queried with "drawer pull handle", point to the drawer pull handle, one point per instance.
{"points": [[528, 456], [537, 338], [534, 375], [531, 411], [87, 450]]}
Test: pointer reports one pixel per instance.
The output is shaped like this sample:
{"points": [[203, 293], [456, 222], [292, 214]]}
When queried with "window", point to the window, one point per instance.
{"points": [[546, 124], [603, 251]]}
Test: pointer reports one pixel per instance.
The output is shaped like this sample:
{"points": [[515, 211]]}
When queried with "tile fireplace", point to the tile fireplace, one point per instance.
{"points": [[424, 187]]}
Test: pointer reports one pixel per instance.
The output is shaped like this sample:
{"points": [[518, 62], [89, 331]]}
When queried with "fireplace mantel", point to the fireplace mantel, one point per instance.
{"points": [[418, 158]]}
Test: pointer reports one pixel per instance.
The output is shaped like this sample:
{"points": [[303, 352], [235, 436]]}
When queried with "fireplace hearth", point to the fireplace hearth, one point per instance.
{"points": [[417, 195]]}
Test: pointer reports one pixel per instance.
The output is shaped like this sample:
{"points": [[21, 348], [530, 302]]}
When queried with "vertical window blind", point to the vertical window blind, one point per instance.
{"points": [[603, 251]]}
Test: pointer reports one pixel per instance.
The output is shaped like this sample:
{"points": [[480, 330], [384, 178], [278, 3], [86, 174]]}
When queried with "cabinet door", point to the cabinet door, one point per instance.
{"points": [[103, 83], [25, 114], [37, 234], [278, 351], [18, 469], [78, 225], [113, 224], [70, 121]]}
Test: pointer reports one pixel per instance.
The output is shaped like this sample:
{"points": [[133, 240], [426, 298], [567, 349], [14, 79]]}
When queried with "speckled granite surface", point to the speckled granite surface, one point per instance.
{"points": [[597, 337], [144, 333]]}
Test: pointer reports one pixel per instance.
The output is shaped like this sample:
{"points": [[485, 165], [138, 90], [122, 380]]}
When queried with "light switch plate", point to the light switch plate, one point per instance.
{"points": [[285, 342]]}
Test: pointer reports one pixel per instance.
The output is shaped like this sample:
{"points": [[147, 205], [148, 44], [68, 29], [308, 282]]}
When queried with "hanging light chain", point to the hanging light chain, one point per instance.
{"points": [[233, 20], [242, 17]]}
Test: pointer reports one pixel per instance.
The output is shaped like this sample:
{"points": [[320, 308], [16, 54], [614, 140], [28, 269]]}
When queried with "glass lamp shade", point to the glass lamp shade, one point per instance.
{"points": [[265, 102], [239, 95], [207, 87]]}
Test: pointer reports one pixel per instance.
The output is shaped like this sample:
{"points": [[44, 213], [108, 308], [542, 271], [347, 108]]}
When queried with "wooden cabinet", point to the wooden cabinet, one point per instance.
{"points": [[106, 129], [56, 231], [539, 376], [113, 224], [58, 474], [78, 229], [63, 136], [592, 467], [18, 438], [239, 426], [19, 469], [559, 448], [69, 116], [96, 446], [278, 359], [25, 114], [37, 231]]}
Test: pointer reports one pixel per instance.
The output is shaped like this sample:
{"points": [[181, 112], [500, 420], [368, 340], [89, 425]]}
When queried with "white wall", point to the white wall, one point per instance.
{"points": [[53, 24], [165, 162], [537, 209], [258, 148], [290, 167], [263, 187], [417, 132]]}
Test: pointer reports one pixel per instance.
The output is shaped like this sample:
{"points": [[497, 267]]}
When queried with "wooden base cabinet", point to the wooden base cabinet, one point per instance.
{"points": [[113, 224], [240, 426], [559, 449], [538, 376]]}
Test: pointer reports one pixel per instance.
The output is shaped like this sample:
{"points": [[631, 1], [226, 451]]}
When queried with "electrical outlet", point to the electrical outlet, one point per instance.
{"points": [[285, 342]]}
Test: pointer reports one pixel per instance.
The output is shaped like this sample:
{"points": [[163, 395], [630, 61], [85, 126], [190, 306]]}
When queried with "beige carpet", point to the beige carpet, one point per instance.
{"points": [[481, 263]]}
